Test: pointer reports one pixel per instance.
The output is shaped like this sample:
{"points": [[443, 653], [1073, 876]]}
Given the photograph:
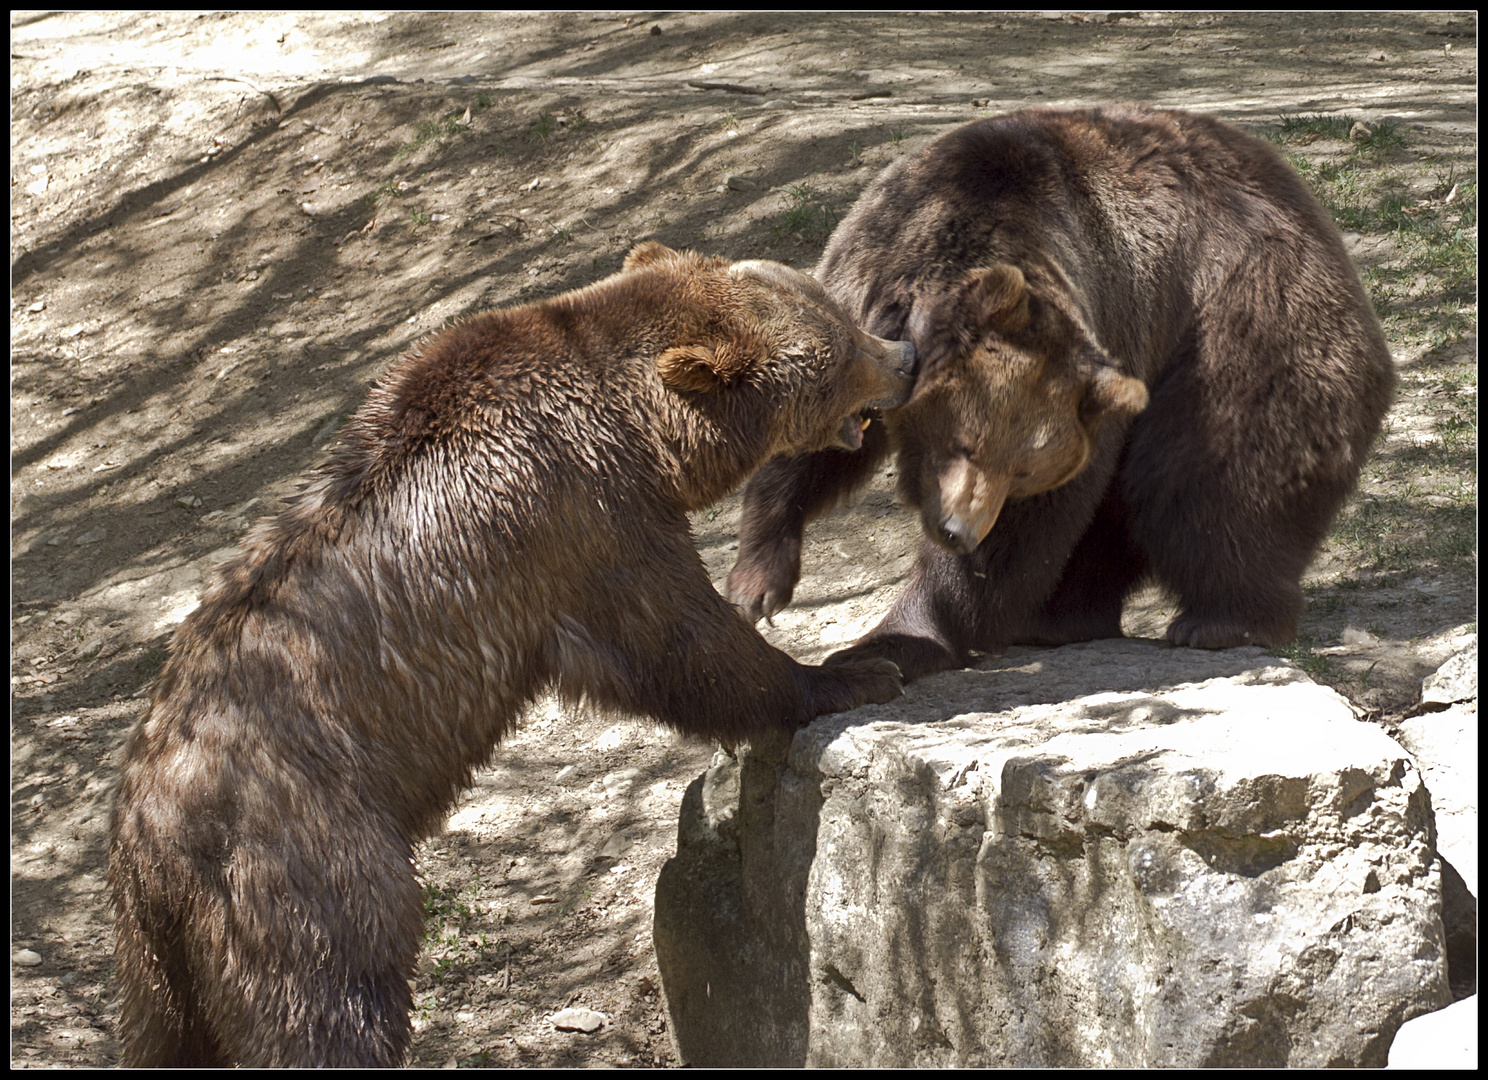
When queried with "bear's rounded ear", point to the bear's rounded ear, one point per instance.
{"points": [[995, 298], [1109, 393], [704, 370], [646, 253]]}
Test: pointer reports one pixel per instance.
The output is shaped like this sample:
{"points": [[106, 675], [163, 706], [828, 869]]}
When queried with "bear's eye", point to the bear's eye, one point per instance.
{"points": [[961, 449]]}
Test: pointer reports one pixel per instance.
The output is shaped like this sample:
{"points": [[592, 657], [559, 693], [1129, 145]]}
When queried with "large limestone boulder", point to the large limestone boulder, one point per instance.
{"points": [[1106, 854], [1442, 735], [1443, 738]]}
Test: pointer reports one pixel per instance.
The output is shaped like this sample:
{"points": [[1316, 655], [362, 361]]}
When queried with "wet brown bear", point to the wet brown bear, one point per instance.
{"points": [[1135, 326], [504, 514]]}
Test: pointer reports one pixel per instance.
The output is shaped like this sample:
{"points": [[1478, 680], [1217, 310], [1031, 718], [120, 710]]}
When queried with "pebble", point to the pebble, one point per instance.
{"points": [[617, 843], [585, 1020], [619, 782], [742, 183], [25, 958]]}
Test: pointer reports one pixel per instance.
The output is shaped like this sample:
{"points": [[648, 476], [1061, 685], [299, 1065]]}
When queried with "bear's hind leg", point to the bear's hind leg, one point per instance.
{"points": [[1233, 563], [321, 938], [1267, 617], [1251, 443], [160, 1022], [1231, 481]]}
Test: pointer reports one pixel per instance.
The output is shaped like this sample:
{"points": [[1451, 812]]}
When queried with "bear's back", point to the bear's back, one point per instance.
{"points": [[1163, 200]]}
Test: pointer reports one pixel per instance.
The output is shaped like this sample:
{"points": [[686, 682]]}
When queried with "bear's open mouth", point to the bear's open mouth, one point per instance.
{"points": [[851, 433]]}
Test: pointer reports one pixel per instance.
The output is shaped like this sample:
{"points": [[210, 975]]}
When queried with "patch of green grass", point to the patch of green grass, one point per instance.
{"points": [[150, 664], [441, 130], [419, 217], [563, 236], [447, 128], [1433, 265], [456, 950], [446, 903], [1403, 532], [389, 190], [1382, 136], [731, 120], [809, 216], [1458, 431], [855, 152], [1296, 129], [542, 128], [1374, 136], [1452, 532], [448, 910], [896, 135], [1302, 652]]}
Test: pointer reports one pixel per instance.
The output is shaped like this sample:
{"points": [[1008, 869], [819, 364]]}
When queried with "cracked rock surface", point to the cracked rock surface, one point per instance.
{"points": [[1106, 854]]}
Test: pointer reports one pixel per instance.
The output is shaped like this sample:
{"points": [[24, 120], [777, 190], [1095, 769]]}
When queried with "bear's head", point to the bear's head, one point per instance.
{"points": [[780, 348], [1012, 391]]}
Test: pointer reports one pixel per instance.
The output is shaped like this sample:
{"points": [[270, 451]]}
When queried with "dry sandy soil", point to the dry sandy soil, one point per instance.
{"points": [[224, 226]]}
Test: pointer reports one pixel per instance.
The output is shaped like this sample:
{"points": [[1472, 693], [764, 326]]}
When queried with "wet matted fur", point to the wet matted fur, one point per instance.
{"points": [[1145, 355], [505, 513]]}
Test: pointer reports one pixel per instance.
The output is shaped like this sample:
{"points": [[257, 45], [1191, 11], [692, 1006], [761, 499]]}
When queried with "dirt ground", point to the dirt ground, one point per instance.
{"points": [[224, 226]]}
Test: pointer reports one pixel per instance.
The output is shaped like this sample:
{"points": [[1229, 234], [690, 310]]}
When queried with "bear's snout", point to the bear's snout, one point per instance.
{"points": [[895, 362], [957, 535], [906, 356], [963, 505]]}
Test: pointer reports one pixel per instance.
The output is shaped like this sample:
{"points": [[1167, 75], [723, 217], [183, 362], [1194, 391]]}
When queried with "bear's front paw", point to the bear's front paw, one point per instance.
{"points": [[915, 656], [876, 681], [762, 582], [846, 686]]}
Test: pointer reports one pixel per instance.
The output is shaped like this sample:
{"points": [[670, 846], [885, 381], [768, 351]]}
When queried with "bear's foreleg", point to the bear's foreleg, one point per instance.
{"points": [[780, 499], [995, 596], [675, 650], [1101, 572]]}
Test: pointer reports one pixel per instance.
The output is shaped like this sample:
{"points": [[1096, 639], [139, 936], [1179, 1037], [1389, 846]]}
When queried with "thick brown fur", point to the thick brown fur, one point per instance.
{"points": [[1139, 329], [506, 513]]}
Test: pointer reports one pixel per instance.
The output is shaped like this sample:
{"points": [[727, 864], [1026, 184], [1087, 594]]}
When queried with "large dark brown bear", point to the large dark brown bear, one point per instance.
{"points": [[1144, 355], [505, 513]]}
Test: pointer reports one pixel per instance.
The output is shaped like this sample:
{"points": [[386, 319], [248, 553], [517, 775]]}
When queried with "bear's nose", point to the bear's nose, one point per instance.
{"points": [[957, 535], [906, 357]]}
